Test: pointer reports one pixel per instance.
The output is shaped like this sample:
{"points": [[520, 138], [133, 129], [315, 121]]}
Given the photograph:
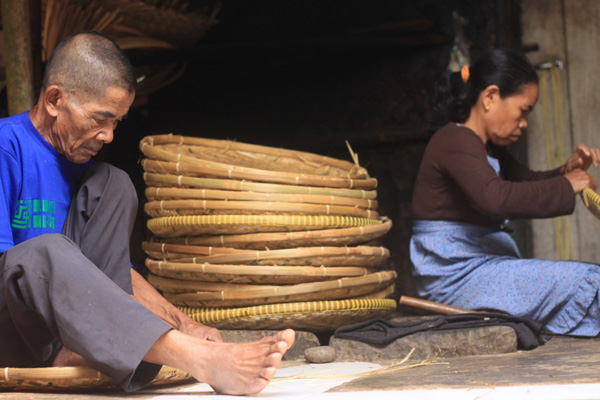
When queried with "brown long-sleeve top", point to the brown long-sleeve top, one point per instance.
{"points": [[456, 183]]}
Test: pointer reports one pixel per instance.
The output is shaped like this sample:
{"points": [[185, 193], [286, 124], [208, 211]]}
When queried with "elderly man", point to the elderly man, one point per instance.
{"points": [[68, 295]]}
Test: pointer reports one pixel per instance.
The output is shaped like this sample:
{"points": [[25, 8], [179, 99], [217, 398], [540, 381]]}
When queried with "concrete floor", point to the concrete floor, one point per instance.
{"points": [[561, 361]]}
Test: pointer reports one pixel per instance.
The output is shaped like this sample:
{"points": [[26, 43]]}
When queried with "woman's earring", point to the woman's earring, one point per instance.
{"points": [[487, 107]]}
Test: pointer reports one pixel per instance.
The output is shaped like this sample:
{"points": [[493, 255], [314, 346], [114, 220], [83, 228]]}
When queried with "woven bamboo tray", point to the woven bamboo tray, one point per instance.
{"points": [[252, 274], [190, 166], [364, 256], [249, 155], [226, 295], [73, 378], [165, 208], [194, 225], [279, 240], [591, 200], [234, 160], [168, 193], [164, 179], [314, 316]]}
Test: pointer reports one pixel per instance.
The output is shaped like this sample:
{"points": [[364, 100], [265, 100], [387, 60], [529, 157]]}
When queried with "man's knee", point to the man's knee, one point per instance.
{"points": [[45, 246], [114, 180]]}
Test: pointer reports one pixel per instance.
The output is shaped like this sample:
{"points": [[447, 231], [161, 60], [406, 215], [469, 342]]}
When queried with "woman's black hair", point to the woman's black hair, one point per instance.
{"points": [[453, 98]]}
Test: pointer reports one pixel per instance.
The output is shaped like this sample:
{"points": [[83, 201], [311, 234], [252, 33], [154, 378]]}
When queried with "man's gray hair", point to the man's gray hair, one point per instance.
{"points": [[86, 64]]}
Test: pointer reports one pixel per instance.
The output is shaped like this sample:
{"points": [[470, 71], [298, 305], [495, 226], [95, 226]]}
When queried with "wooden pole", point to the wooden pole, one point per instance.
{"points": [[17, 55]]}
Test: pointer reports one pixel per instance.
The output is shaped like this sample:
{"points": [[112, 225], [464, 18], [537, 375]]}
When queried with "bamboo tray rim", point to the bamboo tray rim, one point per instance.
{"points": [[262, 187], [260, 220], [218, 314], [154, 193], [226, 145], [245, 292], [74, 378], [158, 267], [326, 237], [256, 207], [194, 167]]}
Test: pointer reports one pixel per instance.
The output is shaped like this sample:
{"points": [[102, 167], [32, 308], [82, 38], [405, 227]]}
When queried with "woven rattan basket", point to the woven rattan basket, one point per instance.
{"points": [[280, 240], [591, 200], [217, 158], [315, 316], [165, 208], [165, 179], [73, 378], [167, 193], [194, 225], [227, 295], [364, 256], [252, 274]]}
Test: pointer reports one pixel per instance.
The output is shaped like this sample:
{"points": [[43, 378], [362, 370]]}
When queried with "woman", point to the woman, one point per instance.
{"points": [[468, 185]]}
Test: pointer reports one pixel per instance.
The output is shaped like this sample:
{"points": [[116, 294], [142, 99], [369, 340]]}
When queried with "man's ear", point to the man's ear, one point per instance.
{"points": [[54, 99]]}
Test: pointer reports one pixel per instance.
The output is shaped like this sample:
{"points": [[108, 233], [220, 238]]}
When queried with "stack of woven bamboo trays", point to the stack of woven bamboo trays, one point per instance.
{"points": [[255, 237]]}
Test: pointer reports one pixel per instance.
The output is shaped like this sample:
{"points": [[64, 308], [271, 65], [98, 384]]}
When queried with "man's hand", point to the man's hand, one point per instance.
{"points": [[200, 331], [579, 180], [582, 158]]}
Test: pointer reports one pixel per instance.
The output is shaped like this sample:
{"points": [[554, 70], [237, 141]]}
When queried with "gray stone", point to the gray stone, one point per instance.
{"points": [[321, 354], [304, 340], [431, 344]]}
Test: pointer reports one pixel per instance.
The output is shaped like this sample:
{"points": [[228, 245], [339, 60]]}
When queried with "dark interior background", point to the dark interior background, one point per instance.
{"points": [[309, 75]]}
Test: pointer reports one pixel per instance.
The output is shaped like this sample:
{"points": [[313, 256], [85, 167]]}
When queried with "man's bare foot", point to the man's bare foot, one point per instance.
{"points": [[68, 358], [229, 368], [247, 368]]}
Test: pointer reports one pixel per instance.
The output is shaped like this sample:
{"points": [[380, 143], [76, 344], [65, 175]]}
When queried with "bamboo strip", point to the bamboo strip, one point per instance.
{"points": [[164, 178], [365, 256], [166, 193], [251, 274], [165, 208], [242, 295], [189, 166]]}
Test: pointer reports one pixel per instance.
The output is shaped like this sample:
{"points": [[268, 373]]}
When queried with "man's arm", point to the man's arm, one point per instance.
{"points": [[146, 295]]}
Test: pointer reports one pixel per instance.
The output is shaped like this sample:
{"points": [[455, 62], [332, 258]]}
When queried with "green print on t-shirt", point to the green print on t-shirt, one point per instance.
{"points": [[34, 214]]}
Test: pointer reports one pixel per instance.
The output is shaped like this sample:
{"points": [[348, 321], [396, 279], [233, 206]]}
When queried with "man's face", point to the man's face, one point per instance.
{"points": [[84, 126]]}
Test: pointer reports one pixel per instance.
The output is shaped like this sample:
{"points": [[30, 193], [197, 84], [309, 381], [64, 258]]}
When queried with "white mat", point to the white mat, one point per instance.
{"points": [[311, 381]]}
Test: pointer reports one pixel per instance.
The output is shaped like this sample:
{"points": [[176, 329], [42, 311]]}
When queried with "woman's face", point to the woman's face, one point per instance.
{"points": [[507, 117]]}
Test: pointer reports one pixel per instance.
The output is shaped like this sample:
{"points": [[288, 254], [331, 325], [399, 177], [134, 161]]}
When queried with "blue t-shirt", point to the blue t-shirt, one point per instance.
{"points": [[37, 183]]}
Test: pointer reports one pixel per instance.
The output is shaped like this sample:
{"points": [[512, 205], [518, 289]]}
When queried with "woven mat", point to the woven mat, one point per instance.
{"points": [[73, 378], [316, 316]]}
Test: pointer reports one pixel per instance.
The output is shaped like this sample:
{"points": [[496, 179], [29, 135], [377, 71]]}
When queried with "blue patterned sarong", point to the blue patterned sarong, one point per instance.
{"points": [[480, 268]]}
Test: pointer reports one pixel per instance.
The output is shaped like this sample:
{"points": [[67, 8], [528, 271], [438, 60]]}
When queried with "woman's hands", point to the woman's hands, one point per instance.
{"points": [[580, 179], [582, 158], [578, 163]]}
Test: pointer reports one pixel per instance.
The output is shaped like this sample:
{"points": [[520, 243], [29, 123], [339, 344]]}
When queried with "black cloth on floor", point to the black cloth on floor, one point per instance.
{"points": [[381, 331]]}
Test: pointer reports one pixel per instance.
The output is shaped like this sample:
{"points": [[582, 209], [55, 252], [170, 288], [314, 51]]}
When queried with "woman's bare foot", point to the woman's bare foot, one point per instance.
{"points": [[229, 368], [68, 358]]}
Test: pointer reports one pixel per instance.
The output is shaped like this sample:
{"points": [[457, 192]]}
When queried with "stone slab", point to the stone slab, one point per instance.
{"points": [[304, 340], [431, 344]]}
